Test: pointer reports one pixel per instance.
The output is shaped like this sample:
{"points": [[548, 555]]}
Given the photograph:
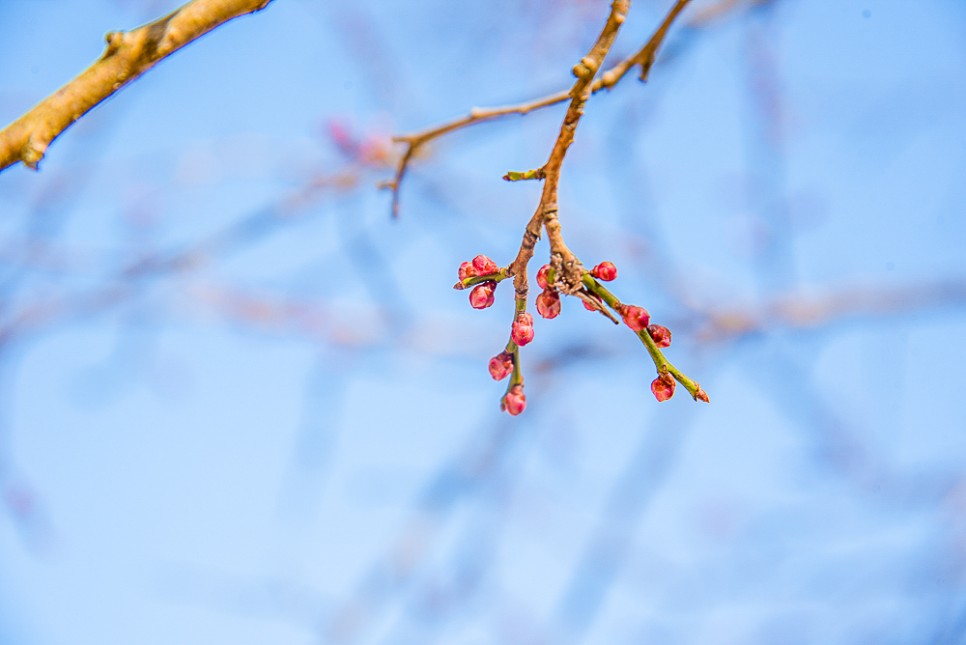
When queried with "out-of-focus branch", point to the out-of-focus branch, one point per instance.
{"points": [[128, 55], [643, 57], [822, 310]]}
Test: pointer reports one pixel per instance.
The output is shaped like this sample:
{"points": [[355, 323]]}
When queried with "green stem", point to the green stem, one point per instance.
{"points": [[514, 175], [499, 276], [660, 362], [598, 289]]}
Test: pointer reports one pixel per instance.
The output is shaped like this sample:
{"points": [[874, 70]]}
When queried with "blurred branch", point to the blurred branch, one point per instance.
{"points": [[822, 310], [128, 55], [644, 57]]}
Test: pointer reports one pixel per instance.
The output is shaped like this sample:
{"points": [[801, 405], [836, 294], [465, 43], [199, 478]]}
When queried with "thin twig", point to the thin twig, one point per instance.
{"points": [[416, 140], [128, 55]]}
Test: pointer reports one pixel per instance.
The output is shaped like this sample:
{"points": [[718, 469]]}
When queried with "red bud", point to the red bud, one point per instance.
{"points": [[548, 304], [635, 317], [605, 271], [467, 271], [484, 265], [663, 387], [660, 334], [542, 276], [515, 401], [481, 296], [522, 330], [501, 365]]}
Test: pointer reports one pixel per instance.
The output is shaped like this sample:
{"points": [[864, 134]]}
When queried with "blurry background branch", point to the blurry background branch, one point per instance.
{"points": [[249, 413], [128, 55]]}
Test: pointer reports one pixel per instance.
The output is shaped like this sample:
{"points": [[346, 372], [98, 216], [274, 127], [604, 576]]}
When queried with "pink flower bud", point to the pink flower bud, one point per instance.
{"points": [[481, 296], [515, 401], [467, 271], [660, 334], [484, 265], [635, 317], [501, 365], [605, 271], [590, 307], [663, 387], [548, 304], [542, 276], [522, 330]]}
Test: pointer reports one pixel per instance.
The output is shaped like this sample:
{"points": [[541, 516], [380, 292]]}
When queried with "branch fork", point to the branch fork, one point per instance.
{"points": [[564, 274]]}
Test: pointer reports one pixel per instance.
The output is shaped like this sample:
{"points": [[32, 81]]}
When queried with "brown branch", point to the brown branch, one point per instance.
{"points": [[414, 141], [128, 55], [568, 268]]}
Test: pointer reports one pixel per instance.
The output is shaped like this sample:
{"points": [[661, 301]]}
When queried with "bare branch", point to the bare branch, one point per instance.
{"points": [[643, 57], [128, 55]]}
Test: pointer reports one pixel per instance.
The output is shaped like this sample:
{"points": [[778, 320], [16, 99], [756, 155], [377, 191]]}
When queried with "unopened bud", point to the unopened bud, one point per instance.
{"points": [[660, 334], [501, 365], [701, 395], [548, 304], [514, 401], [467, 271], [663, 387], [522, 330], [542, 276], [605, 271], [635, 317], [484, 265], [481, 296]]}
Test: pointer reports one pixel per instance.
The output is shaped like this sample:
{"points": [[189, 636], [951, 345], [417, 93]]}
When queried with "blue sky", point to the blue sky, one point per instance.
{"points": [[292, 438]]}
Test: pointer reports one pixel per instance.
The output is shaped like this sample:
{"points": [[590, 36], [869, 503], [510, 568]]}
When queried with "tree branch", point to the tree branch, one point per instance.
{"points": [[128, 55], [546, 214], [643, 57]]}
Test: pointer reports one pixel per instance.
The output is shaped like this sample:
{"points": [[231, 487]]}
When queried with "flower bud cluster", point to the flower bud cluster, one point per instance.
{"points": [[481, 296], [483, 274], [548, 302]]}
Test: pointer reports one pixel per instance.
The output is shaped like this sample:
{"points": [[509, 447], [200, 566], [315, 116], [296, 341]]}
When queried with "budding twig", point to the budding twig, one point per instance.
{"points": [[564, 274], [643, 57]]}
